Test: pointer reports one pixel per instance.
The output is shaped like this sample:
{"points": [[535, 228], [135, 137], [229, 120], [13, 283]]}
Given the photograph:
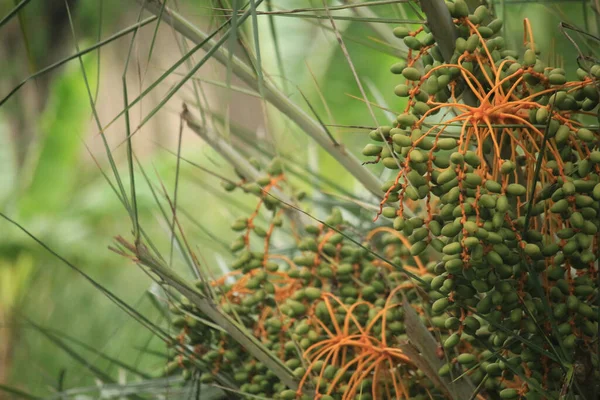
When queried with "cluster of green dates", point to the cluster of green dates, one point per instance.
{"points": [[514, 290], [509, 244], [332, 282]]}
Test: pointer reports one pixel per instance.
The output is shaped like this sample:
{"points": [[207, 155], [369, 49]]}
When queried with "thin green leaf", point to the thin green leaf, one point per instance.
{"points": [[372, 20], [164, 214], [171, 387], [278, 99], [78, 54], [351, 5], [382, 31], [235, 330], [427, 345], [175, 89], [259, 72], [233, 38], [318, 118], [23, 26], [441, 25], [154, 36], [73, 354], [226, 151], [533, 385], [93, 349], [99, 52], [134, 207], [380, 257], [120, 303], [13, 12], [17, 392], [275, 38], [299, 168], [479, 387], [176, 186], [96, 118]]}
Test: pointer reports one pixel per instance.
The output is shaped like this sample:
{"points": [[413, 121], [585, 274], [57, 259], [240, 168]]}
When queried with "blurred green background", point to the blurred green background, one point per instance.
{"points": [[53, 160]]}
